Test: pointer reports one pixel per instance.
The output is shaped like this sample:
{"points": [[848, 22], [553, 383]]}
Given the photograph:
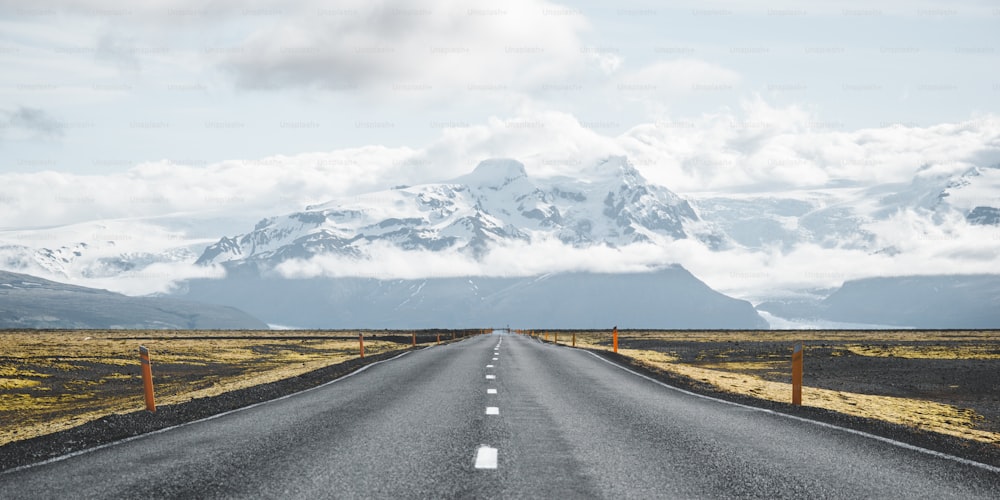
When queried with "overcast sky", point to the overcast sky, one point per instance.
{"points": [[98, 87]]}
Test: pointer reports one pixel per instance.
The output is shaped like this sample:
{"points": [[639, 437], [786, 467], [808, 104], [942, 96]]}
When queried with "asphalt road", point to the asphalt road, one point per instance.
{"points": [[567, 424]]}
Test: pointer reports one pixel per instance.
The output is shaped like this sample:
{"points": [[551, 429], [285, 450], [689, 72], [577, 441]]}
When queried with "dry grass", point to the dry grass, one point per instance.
{"points": [[52, 381], [927, 352], [732, 370], [923, 414]]}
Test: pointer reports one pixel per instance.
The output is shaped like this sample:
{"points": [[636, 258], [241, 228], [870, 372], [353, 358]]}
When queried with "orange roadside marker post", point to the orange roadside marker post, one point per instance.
{"points": [[615, 339], [574, 339], [361, 341], [147, 378], [439, 339], [414, 343], [797, 375]]}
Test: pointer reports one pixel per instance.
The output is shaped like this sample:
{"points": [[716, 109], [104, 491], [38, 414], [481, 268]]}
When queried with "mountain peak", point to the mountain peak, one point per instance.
{"points": [[495, 173], [620, 168]]}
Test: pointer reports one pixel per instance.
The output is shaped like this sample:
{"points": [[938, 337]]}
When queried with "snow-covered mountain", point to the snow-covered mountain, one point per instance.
{"points": [[854, 216], [100, 259], [132, 256], [609, 204]]}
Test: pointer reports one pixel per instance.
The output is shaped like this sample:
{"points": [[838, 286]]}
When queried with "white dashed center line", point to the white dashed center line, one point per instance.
{"points": [[486, 458]]}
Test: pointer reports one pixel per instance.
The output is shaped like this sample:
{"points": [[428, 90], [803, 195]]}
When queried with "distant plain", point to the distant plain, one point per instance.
{"points": [[944, 382]]}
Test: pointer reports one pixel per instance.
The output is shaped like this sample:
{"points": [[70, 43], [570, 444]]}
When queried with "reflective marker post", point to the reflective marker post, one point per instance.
{"points": [[615, 339], [147, 378], [361, 341], [797, 375]]}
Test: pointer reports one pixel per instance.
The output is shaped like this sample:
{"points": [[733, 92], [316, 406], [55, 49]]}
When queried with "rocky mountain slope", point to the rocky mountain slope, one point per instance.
{"points": [[30, 302]]}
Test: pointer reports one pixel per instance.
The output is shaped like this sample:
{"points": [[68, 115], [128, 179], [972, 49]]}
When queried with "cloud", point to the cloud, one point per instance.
{"points": [[761, 147], [157, 278], [35, 122], [117, 51], [757, 148], [541, 256], [547, 142], [411, 47], [751, 274], [243, 188]]}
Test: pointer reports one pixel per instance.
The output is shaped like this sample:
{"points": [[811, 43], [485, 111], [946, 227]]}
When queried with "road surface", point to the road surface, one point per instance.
{"points": [[501, 416]]}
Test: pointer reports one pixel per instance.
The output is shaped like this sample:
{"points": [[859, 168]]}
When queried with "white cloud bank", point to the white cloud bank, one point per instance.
{"points": [[754, 275], [758, 148]]}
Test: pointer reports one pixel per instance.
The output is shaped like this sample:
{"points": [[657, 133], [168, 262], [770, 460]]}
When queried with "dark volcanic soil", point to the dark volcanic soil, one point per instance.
{"points": [[964, 383]]}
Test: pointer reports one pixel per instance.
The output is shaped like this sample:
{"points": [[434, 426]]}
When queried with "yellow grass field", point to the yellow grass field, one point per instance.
{"points": [[50, 381]]}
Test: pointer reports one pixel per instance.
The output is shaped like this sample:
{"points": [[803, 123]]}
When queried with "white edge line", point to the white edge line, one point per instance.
{"points": [[893, 442], [211, 417]]}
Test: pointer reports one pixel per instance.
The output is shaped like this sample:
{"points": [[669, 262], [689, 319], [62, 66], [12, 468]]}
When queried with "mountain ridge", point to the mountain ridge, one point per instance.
{"points": [[669, 297], [929, 301], [30, 302], [496, 203]]}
